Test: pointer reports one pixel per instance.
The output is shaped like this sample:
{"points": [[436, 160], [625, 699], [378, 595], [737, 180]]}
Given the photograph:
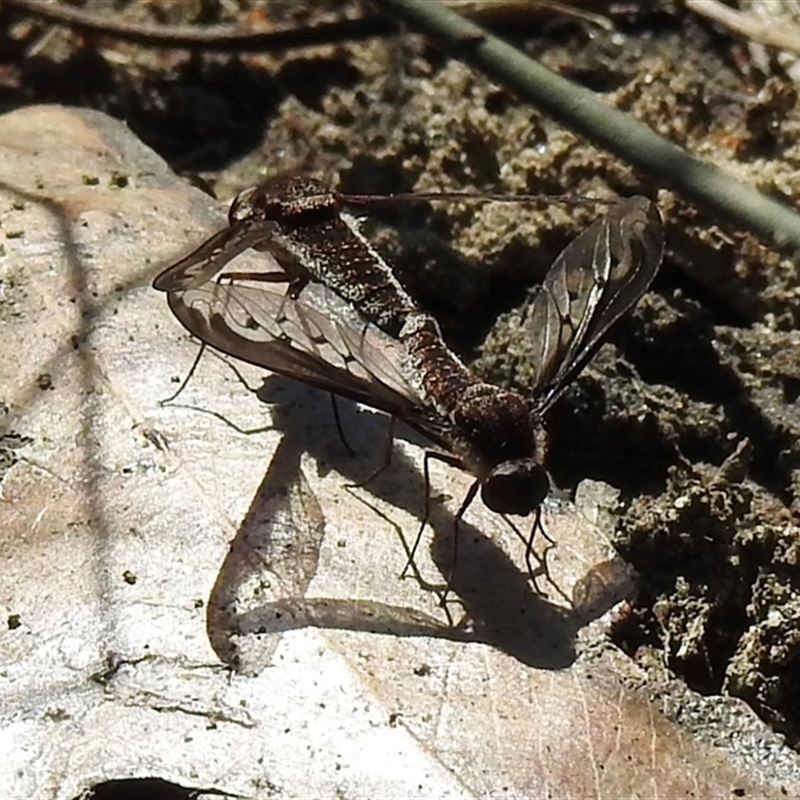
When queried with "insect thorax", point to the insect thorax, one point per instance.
{"points": [[495, 425]]}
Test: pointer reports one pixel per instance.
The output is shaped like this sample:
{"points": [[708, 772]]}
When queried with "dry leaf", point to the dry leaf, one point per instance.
{"points": [[136, 578]]}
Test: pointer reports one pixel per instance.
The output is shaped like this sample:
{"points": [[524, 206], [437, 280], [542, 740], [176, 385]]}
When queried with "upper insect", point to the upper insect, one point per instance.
{"points": [[492, 432]]}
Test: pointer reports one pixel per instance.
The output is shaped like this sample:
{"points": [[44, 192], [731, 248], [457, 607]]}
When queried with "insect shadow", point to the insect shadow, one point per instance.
{"points": [[356, 333], [500, 606]]}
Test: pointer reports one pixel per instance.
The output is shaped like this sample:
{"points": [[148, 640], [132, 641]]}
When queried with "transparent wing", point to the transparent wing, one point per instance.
{"points": [[592, 283], [317, 339], [202, 264]]}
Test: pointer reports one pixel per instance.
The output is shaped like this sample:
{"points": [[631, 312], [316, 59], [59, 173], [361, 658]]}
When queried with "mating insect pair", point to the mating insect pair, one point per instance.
{"points": [[345, 325]]}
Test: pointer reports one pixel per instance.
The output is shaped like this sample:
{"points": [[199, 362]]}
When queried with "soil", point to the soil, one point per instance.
{"points": [[691, 407]]}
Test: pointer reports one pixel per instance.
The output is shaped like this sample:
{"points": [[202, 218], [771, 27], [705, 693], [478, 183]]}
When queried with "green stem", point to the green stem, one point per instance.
{"points": [[584, 112]]}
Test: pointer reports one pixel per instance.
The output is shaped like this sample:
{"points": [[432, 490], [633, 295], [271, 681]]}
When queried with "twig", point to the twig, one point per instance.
{"points": [[574, 105], [494, 12], [223, 38], [787, 37], [586, 113], [228, 38]]}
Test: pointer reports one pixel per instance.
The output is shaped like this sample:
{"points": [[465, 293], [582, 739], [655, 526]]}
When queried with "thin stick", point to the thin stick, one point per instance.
{"points": [[225, 38], [231, 38], [785, 37], [584, 112], [512, 11]]}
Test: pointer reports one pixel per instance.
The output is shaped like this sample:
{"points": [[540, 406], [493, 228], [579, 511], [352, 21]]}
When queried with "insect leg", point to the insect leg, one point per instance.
{"points": [[385, 461], [294, 285], [295, 282], [473, 490], [337, 418], [530, 553], [453, 462], [188, 377]]}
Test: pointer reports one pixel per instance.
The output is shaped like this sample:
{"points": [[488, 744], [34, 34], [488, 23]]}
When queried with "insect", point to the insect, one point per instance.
{"points": [[305, 226], [355, 332]]}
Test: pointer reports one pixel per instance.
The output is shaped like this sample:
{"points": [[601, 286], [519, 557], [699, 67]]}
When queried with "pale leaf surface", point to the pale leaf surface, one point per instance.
{"points": [[146, 548]]}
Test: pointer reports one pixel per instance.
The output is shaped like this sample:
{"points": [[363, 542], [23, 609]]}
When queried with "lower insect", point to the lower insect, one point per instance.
{"points": [[342, 323]]}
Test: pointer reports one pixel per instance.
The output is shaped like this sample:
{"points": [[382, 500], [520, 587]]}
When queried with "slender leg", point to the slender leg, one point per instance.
{"points": [[425, 513], [453, 462], [188, 377], [295, 283], [530, 554], [473, 490], [529, 551], [339, 428], [258, 277], [387, 457]]}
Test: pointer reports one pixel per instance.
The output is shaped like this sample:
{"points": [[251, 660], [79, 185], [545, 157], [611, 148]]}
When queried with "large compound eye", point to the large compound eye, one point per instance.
{"points": [[516, 487]]}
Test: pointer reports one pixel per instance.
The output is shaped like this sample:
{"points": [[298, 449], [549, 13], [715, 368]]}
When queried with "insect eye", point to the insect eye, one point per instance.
{"points": [[516, 487]]}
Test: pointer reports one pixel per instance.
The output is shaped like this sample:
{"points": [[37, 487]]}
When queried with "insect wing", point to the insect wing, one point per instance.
{"points": [[202, 264], [592, 283], [317, 339]]}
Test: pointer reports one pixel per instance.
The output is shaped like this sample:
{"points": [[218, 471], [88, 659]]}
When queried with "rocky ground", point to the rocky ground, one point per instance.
{"points": [[691, 408]]}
